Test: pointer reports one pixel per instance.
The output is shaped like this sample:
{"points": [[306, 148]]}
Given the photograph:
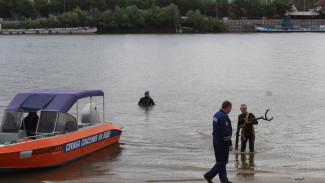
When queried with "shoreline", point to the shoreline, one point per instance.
{"points": [[49, 31], [234, 178]]}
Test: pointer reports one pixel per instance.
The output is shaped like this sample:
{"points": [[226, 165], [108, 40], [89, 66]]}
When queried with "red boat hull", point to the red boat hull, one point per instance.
{"points": [[58, 150]]}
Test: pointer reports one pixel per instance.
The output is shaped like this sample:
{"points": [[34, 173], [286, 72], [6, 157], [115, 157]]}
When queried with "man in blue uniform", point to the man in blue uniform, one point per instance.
{"points": [[222, 144]]}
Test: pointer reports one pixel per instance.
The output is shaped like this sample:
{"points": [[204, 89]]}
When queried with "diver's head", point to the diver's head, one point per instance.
{"points": [[146, 94]]}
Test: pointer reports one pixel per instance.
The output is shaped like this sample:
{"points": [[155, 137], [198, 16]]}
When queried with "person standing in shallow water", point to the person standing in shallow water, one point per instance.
{"points": [[248, 132], [222, 144], [146, 100]]}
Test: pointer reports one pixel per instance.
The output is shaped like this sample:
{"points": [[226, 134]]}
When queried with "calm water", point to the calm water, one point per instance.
{"points": [[189, 76]]}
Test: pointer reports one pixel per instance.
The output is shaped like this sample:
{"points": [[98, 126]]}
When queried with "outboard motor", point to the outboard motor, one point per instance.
{"points": [[90, 116]]}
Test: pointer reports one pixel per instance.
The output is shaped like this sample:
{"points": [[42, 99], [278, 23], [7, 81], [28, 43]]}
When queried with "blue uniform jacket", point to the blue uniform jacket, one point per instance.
{"points": [[222, 130]]}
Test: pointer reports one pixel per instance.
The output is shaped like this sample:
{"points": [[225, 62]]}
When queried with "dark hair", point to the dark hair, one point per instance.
{"points": [[226, 104]]}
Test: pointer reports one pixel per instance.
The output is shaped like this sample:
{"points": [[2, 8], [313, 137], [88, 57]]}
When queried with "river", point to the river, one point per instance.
{"points": [[189, 76]]}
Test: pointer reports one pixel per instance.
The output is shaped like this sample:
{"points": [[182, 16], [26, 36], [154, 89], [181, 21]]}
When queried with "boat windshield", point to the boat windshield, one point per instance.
{"points": [[54, 121], [11, 121], [66, 123], [47, 122]]}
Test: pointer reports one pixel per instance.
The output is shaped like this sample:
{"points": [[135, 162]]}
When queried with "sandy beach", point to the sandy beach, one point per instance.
{"points": [[271, 179], [234, 180], [265, 178]]}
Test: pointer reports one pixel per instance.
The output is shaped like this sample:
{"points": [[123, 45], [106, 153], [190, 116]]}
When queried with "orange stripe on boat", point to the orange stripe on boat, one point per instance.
{"points": [[59, 149]]}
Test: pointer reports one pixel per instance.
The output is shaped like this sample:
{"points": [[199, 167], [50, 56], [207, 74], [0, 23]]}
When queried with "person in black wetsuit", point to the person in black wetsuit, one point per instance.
{"points": [[146, 100], [248, 132], [30, 122]]}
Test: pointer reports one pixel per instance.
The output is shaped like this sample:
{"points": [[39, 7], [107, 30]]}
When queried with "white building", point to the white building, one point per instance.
{"points": [[319, 6]]}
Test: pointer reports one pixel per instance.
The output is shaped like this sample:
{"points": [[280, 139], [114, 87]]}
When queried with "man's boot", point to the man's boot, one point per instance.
{"points": [[208, 179]]}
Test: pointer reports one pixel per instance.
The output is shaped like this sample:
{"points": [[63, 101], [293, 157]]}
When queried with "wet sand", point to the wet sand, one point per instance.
{"points": [[266, 180], [235, 180], [255, 179], [269, 178]]}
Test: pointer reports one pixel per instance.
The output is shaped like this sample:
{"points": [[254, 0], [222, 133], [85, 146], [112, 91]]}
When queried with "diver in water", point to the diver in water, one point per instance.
{"points": [[146, 100]]}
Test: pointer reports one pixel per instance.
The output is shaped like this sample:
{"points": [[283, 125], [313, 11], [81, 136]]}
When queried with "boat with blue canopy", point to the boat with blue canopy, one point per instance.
{"points": [[44, 128]]}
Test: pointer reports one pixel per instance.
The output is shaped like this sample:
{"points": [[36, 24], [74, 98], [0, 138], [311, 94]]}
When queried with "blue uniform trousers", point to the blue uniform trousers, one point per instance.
{"points": [[221, 152]]}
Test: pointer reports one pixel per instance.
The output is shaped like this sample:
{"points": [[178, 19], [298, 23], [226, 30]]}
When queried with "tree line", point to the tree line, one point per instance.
{"points": [[129, 19], [45, 8], [135, 15]]}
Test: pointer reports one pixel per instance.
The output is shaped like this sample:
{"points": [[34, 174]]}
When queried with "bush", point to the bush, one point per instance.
{"points": [[201, 23], [128, 19], [133, 19]]}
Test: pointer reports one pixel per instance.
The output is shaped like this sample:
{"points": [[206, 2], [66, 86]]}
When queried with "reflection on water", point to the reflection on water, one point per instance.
{"points": [[244, 162], [146, 110], [97, 163]]}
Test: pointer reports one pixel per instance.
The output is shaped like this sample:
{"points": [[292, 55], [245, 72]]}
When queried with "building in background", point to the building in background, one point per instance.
{"points": [[318, 12], [319, 6]]}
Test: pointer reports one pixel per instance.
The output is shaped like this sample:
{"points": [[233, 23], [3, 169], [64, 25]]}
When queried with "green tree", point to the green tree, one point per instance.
{"points": [[269, 10], [166, 17], [239, 9], [21, 8], [173, 15], [52, 22], [136, 16], [282, 6], [223, 8], [106, 21], [86, 4], [5, 9], [186, 5], [196, 20], [121, 18], [215, 25], [68, 19], [201, 23], [42, 7], [82, 16]]}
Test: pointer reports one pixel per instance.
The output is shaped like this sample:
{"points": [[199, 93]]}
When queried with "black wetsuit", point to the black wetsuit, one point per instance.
{"points": [[146, 101], [248, 133]]}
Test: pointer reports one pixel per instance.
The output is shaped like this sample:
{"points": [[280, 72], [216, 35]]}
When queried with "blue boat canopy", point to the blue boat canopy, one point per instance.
{"points": [[53, 100]]}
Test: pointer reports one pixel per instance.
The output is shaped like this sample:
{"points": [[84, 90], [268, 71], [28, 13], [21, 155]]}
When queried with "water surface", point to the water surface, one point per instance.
{"points": [[189, 76]]}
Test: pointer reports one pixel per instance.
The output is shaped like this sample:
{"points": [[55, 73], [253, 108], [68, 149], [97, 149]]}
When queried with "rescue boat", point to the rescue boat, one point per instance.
{"points": [[60, 137]]}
